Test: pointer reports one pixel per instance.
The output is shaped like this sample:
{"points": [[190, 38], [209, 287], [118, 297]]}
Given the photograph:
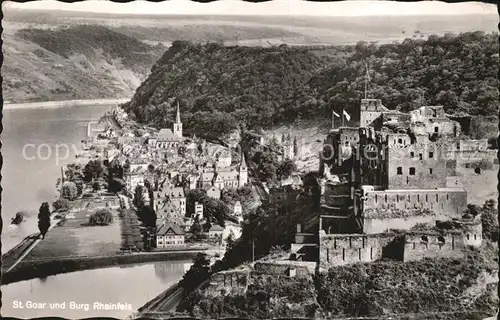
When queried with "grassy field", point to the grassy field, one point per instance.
{"points": [[74, 238]]}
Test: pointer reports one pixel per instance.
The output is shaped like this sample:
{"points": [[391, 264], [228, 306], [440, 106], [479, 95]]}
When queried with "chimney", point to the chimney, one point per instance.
{"points": [[299, 228]]}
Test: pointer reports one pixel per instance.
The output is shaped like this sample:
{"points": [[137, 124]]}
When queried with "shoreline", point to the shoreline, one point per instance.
{"points": [[27, 270], [62, 104]]}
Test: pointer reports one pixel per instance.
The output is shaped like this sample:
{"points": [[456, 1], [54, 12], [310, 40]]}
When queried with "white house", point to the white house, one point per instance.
{"points": [[215, 231], [133, 180], [198, 210], [224, 158], [169, 235]]}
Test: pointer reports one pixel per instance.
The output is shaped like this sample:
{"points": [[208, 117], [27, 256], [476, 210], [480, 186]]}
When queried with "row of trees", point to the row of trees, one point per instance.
{"points": [[145, 211]]}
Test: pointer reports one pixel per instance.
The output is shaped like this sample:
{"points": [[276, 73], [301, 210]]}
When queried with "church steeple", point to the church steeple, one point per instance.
{"points": [[178, 123], [178, 117], [243, 165], [243, 176]]}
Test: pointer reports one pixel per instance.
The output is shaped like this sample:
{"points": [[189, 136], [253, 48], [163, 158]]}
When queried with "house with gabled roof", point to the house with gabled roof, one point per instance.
{"points": [[169, 235], [215, 231], [213, 192]]}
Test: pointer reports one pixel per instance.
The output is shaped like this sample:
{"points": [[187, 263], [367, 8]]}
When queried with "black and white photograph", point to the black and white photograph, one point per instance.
{"points": [[239, 160]]}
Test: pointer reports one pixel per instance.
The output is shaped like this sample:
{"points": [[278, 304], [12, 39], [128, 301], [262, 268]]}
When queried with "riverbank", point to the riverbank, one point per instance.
{"points": [[31, 269], [61, 104], [11, 256]]}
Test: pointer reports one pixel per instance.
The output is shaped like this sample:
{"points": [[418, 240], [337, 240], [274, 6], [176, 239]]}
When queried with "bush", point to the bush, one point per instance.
{"points": [[61, 205], [483, 164], [489, 220], [101, 218], [69, 190]]}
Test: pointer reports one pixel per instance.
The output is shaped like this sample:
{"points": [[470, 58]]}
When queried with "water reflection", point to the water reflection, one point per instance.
{"points": [[133, 285]]}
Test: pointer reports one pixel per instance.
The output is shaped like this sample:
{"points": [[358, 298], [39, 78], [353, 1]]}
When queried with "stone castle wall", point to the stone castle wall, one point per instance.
{"points": [[225, 282], [339, 249], [414, 166], [302, 269], [447, 201], [419, 246]]}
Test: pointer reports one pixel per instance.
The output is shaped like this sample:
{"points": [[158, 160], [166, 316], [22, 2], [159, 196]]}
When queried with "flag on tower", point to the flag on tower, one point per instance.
{"points": [[335, 114], [347, 116]]}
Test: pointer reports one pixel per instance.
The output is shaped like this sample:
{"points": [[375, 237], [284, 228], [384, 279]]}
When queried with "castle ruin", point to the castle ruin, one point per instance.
{"points": [[383, 180]]}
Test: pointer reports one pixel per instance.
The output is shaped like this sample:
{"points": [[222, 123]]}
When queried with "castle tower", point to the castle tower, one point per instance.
{"points": [[178, 123], [243, 176], [296, 147], [288, 148]]}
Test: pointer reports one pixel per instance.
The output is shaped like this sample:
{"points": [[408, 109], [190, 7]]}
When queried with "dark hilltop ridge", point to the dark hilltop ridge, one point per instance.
{"points": [[221, 87]]}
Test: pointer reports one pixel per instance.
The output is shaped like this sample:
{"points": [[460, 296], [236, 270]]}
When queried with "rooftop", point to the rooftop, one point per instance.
{"points": [[169, 228], [216, 227], [167, 135]]}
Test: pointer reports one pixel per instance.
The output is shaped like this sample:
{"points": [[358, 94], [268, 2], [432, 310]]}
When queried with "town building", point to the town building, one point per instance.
{"points": [[292, 148], [168, 139], [169, 235], [222, 178], [215, 231], [171, 204], [224, 159], [132, 180], [213, 192], [198, 210]]}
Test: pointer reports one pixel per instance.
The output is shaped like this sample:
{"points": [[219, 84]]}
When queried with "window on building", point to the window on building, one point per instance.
{"points": [[400, 140], [420, 156], [431, 154], [468, 237], [376, 198], [447, 197], [437, 197], [436, 129], [441, 240], [385, 201], [412, 154], [412, 171], [400, 170], [430, 170], [475, 237], [424, 239], [426, 198]]}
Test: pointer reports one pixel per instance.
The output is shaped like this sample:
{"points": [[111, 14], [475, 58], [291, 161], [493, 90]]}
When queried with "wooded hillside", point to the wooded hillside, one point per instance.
{"points": [[219, 87]]}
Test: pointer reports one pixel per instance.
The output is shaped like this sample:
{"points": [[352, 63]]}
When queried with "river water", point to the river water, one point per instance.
{"points": [[132, 284], [29, 177], [28, 180]]}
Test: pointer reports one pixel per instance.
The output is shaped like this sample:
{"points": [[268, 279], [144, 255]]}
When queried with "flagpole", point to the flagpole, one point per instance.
{"points": [[366, 80], [333, 120], [343, 115], [366, 85]]}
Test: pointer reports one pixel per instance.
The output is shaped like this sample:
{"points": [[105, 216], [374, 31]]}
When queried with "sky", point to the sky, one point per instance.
{"points": [[275, 7]]}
